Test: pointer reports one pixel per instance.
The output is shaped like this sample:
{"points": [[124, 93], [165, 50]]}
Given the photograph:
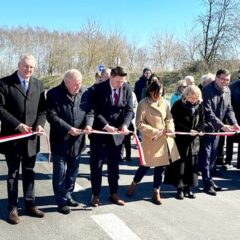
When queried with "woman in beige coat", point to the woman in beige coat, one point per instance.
{"points": [[154, 121]]}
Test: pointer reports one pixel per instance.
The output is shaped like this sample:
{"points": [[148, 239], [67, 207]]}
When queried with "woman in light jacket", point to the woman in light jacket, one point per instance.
{"points": [[154, 121]]}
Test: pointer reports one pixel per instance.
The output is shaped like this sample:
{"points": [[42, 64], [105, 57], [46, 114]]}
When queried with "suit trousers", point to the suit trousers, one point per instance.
{"points": [[14, 159], [65, 171], [207, 158], [104, 151]]}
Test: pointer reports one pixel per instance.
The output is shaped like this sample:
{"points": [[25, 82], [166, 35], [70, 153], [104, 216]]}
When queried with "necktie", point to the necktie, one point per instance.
{"points": [[25, 85], [115, 96]]}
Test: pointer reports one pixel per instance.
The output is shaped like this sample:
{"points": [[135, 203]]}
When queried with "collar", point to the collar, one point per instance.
{"points": [[22, 79], [112, 88]]}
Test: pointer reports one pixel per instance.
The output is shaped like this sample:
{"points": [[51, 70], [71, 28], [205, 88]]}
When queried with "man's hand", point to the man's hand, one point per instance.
{"points": [[236, 127], [124, 130], [74, 131], [40, 130], [227, 128], [194, 132], [87, 130], [24, 128], [109, 128]]}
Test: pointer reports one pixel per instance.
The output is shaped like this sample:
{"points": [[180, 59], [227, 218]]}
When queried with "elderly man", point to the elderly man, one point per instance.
{"points": [[112, 111], [22, 110], [217, 106], [66, 108]]}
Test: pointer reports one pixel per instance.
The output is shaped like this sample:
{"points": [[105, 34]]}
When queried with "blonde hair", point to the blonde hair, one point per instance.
{"points": [[180, 83], [192, 90]]}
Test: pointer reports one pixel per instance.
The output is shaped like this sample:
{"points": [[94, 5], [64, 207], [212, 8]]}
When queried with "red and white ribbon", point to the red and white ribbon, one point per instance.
{"points": [[25, 135], [228, 134], [138, 144]]}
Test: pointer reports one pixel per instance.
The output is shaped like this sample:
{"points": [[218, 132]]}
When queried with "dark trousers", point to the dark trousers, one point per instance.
{"points": [[229, 150], [187, 171], [127, 146], [104, 152], [207, 158], [14, 160], [157, 177], [65, 171], [220, 151]]}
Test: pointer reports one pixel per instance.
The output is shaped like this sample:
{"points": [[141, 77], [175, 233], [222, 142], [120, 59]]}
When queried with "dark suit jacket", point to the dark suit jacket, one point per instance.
{"points": [[104, 111], [16, 107], [214, 111], [64, 112]]}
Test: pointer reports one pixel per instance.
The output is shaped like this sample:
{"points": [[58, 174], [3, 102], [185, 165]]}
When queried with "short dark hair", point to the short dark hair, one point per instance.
{"points": [[222, 71], [154, 87], [118, 71]]}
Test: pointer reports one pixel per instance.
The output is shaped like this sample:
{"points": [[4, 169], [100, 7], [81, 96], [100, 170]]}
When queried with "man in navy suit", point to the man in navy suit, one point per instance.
{"points": [[22, 110], [112, 111]]}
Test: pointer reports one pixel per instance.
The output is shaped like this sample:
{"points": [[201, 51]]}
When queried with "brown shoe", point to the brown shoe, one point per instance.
{"points": [[114, 198], [34, 212], [156, 197], [13, 216], [95, 202], [131, 189]]}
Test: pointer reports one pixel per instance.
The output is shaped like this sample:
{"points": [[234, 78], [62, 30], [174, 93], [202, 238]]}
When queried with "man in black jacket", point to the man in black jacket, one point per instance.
{"points": [[66, 109], [22, 110]]}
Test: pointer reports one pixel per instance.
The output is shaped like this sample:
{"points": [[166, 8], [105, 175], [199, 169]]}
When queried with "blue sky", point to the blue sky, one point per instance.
{"points": [[137, 19]]}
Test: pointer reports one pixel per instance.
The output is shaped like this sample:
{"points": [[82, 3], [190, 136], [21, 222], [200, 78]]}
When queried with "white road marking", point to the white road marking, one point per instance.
{"points": [[115, 227]]}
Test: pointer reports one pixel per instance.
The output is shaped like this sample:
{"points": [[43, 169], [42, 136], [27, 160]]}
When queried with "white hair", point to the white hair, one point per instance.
{"points": [[72, 74], [26, 56]]}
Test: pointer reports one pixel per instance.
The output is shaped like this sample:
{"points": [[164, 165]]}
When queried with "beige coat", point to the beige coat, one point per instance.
{"points": [[150, 118]]}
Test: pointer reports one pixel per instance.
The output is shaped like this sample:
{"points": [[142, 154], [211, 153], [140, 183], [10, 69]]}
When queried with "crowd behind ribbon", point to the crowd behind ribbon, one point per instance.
{"points": [[111, 106]]}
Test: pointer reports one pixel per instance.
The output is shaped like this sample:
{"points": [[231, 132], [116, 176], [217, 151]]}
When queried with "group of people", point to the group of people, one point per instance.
{"points": [[107, 108]]}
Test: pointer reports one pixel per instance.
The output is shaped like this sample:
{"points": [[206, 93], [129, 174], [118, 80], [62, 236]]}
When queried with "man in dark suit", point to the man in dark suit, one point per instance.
{"points": [[66, 109], [217, 106], [112, 110], [22, 110]]}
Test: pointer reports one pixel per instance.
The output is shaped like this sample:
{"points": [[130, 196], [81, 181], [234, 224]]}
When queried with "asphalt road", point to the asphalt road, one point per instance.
{"points": [[205, 217]]}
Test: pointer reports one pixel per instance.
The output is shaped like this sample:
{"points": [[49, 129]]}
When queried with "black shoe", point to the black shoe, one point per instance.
{"points": [[217, 173], [217, 188], [228, 166], [210, 191], [188, 193], [72, 203], [64, 209], [180, 195]]}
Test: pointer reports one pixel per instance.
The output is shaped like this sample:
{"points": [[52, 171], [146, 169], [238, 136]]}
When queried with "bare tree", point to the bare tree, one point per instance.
{"points": [[218, 28]]}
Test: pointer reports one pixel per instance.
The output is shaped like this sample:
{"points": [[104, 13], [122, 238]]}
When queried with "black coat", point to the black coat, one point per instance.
{"points": [[104, 112], [140, 85], [184, 171], [185, 121], [16, 107], [64, 112]]}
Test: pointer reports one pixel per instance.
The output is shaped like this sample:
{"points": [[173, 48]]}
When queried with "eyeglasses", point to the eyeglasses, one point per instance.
{"points": [[27, 66], [224, 79]]}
